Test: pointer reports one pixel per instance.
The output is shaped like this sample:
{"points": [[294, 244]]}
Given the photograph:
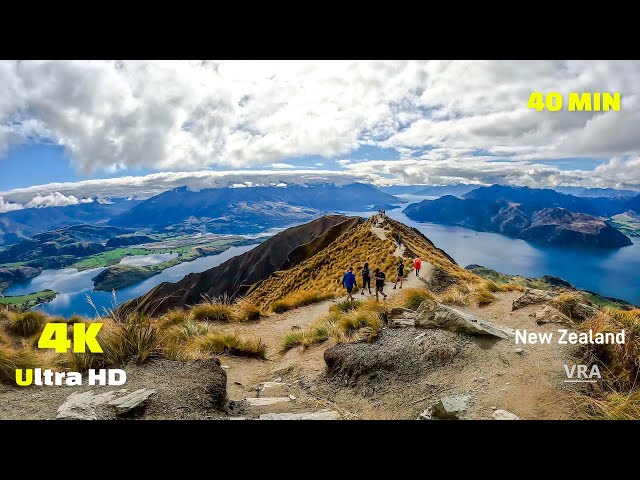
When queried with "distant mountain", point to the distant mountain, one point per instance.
{"points": [[401, 189], [441, 190], [533, 199], [557, 226], [75, 241], [248, 209], [23, 224], [551, 226], [596, 192], [237, 275], [634, 204]]}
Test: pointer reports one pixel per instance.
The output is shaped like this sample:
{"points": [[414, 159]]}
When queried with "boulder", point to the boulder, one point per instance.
{"points": [[86, 405], [132, 401], [216, 386], [451, 407], [504, 415], [549, 314], [432, 314], [324, 414], [265, 401], [532, 296]]}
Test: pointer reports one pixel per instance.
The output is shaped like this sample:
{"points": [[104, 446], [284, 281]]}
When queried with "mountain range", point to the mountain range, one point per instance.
{"points": [[537, 215]]}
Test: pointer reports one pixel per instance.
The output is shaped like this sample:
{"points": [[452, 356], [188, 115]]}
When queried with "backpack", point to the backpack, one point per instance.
{"points": [[366, 272]]}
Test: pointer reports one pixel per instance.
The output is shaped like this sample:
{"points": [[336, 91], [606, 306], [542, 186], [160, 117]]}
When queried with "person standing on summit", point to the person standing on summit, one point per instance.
{"points": [[348, 282]]}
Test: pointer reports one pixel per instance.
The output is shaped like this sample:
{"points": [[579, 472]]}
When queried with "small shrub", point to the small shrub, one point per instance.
{"points": [[454, 296], [232, 344], [27, 323], [481, 297], [350, 322], [491, 286], [212, 312], [292, 339], [316, 333]]}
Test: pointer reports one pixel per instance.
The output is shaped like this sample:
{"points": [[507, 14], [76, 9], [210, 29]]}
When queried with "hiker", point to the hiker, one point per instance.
{"points": [[366, 278], [417, 263], [400, 276], [348, 282], [379, 276]]}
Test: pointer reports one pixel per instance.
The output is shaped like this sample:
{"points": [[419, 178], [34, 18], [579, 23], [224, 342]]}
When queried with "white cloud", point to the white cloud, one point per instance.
{"points": [[153, 184], [282, 165], [55, 199], [8, 206], [185, 115]]}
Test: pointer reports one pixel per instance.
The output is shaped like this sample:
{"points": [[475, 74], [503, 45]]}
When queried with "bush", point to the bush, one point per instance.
{"points": [[455, 296], [316, 333], [27, 323], [232, 344], [349, 323], [212, 312]]}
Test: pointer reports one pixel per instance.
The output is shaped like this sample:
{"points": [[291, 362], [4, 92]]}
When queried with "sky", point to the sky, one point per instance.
{"points": [[73, 131]]}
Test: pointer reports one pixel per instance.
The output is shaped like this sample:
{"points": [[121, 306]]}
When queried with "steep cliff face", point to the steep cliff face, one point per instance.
{"points": [[239, 274]]}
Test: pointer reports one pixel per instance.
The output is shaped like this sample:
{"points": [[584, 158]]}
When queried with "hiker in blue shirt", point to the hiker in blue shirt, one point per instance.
{"points": [[348, 282]]}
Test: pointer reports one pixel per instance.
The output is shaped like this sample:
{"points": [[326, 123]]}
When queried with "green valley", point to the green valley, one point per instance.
{"points": [[25, 302]]}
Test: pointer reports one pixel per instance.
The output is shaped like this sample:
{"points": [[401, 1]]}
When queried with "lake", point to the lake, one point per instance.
{"points": [[614, 273], [74, 286]]}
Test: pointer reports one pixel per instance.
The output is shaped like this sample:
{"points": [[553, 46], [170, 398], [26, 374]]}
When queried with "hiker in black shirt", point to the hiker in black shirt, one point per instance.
{"points": [[400, 276], [366, 278], [379, 276]]}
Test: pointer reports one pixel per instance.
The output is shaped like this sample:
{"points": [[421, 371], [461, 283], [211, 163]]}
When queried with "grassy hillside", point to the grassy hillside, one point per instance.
{"points": [[320, 276]]}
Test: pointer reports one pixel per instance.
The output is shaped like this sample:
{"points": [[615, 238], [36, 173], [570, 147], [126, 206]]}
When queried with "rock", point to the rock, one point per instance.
{"points": [[451, 407], [292, 398], [278, 380], [494, 408], [581, 311], [324, 414], [549, 314], [532, 296], [237, 418], [419, 336], [432, 314], [132, 401], [273, 389], [216, 387], [401, 322], [86, 405], [226, 367], [265, 401], [504, 415], [519, 351], [425, 415]]}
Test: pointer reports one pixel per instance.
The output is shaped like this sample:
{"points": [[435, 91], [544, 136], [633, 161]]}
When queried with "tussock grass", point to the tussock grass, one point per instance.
{"points": [[481, 297], [174, 317], [316, 333], [345, 306], [27, 323], [566, 302], [364, 322], [7, 365], [455, 295], [232, 344], [246, 312], [412, 298], [24, 358], [614, 406], [213, 312], [478, 295], [299, 299]]}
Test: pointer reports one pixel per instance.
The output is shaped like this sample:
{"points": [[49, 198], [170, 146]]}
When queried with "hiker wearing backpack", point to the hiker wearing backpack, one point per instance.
{"points": [[366, 278], [400, 276], [348, 282]]}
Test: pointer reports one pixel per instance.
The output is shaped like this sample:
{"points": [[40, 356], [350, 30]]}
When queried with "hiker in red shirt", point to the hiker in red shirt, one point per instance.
{"points": [[416, 265]]}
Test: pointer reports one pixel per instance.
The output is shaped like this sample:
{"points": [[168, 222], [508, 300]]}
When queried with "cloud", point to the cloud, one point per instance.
{"points": [[188, 116], [7, 206], [153, 184], [55, 199]]}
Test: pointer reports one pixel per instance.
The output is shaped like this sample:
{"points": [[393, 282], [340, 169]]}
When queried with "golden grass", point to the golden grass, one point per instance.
{"points": [[478, 294], [299, 299], [614, 406], [213, 312], [412, 298], [11, 359], [246, 312], [362, 322], [345, 306], [174, 317], [27, 323], [566, 302], [231, 344]]}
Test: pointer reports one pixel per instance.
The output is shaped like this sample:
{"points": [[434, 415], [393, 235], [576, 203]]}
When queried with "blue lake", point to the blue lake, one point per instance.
{"points": [[615, 273], [74, 286]]}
